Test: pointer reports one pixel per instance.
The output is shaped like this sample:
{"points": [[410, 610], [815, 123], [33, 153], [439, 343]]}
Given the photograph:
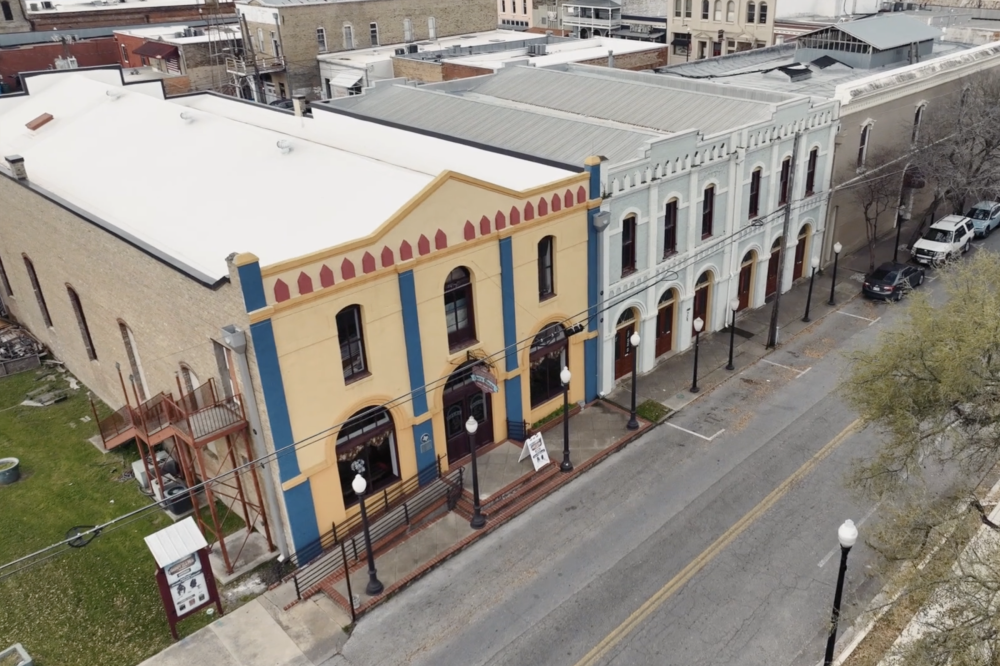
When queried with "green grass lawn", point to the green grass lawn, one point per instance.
{"points": [[97, 604]]}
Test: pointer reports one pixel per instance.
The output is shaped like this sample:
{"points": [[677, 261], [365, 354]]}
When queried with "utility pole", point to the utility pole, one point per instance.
{"points": [[772, 334]]}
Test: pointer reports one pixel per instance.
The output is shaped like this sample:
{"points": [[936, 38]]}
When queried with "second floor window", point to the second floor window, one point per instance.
{"points": [[670, 228], [407, 30], [432, 30], [718, 10], [863, 145], [762, 15], [704, 10], [811, 171], [373, 29], [731, 12], [81, 320], [546, 277], [459, 314], [6, 282], [786, 174], [628, 245], [918, 116], [321, 39], [348, 37], [708, 212], [755, 193], [39, 296], [352, 343], [751, 12]]}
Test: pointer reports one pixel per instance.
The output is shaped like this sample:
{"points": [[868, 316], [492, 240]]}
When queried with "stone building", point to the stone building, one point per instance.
{"points": [[695, 176], [702, 29], [282, 38]]}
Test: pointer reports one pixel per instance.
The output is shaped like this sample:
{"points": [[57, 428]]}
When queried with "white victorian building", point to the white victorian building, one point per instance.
{"points": [[695, 177]]}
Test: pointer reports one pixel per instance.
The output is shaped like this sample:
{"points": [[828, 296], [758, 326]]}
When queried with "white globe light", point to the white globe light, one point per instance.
{"points": [[472, 425], [815, 262], [565, 375], [837, 247], [734, 304], [359, 484], [847, 534], [699, 323], [635, 339]]}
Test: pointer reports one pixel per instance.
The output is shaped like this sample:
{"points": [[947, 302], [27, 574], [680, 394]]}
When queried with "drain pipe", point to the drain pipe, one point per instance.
{"points": [[236, 340]]}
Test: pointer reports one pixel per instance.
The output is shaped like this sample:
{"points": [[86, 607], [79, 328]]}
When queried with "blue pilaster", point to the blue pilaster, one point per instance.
{"points": [[590, 347], [513, 400], [252, 285], [512, 387], [423, 433]]}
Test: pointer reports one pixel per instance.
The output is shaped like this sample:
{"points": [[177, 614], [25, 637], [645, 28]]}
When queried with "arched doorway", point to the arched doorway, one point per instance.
{"points": [[623, 345], [462, 399], [772, 268], [800, 252], [548, 356], [366, 445], [584, 33], [665, 322], [745, 289], [702, 298]]}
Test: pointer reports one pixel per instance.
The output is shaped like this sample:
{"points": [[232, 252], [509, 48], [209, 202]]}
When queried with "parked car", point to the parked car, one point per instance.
{"points": [[890, 281], [946, 239], [985, 217]]}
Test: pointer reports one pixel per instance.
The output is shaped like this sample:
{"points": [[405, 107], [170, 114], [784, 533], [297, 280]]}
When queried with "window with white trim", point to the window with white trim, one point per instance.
{"points": [[373, 31], [321, 39], [866, 132]]}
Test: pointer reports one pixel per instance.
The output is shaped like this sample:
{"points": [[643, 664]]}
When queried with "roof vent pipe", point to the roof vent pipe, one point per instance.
{"points": [[299, 104], [285, 146], [611, 59]]}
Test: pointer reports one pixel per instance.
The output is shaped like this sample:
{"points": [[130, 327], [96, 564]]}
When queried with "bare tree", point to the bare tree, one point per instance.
{"points": [[877, 193]]}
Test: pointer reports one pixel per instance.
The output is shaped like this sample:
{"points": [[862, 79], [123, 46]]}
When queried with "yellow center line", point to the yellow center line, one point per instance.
{"points": [[697, 564]]}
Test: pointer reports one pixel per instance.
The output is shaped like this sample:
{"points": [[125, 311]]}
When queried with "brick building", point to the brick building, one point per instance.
{"points": [[285, 37], [47, 15], [189, 58], [36, 57]]}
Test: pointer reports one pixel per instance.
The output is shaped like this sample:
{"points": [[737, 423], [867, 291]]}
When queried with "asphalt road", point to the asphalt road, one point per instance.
{"points": [[687, 548]]}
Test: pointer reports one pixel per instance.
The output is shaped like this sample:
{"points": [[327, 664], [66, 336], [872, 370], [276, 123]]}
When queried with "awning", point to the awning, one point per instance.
{"points": [[346, 79], [156, 50], [681, 39]]}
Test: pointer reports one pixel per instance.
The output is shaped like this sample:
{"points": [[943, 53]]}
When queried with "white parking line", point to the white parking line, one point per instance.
{"points": [[848, 314], [795, 370], [707, 439], [861, 522], [874, 321]]}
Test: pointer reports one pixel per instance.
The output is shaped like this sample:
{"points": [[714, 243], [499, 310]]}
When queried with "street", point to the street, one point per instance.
{"points": [[711, 540]]}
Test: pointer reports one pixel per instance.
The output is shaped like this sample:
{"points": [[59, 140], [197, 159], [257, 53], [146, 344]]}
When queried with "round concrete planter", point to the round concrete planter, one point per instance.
{"points": [[10, 471]]}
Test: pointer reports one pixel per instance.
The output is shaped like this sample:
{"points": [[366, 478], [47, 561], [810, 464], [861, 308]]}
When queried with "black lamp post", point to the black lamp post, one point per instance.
{"points": [[734, 305], [633, 422], [564, 377], [478, 519], [899, 229], [812, 279], [374, 584], [698, 324], [837, 247], [847, 535]]}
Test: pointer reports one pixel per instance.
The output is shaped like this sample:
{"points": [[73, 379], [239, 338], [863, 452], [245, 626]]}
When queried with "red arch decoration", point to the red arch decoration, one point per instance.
{"points": [[326, 276], [515, 216], [281, 292], [305, 283], [387, 258], [501, 220], [470, 231], [347, 269], [405, 251], [368, 263]]}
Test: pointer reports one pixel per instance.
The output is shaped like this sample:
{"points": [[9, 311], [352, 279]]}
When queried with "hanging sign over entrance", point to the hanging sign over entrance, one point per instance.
{"points": [[534, 447], [484, 379]]}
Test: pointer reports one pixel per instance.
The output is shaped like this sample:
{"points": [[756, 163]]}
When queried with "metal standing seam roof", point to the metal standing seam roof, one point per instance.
{"points": [[536, 133], [651, 106], [887, 31]]}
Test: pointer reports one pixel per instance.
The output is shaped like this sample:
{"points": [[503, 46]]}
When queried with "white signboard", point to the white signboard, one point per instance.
{"points": [[534, 447], [188, 588]]}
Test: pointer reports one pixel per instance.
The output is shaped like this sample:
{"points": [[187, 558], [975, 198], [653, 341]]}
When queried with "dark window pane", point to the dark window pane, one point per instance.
{"points": [[352, 346]]}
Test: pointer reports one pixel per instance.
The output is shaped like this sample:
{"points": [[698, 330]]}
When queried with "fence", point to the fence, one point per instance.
{"points": [[17, 365], [344, 544]]}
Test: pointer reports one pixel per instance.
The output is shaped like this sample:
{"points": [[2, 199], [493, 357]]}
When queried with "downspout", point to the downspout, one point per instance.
{"points": [[236, 340]]}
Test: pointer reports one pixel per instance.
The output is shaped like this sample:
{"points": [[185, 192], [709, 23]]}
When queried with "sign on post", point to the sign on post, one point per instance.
{"points": [[184, 574], [534, 447]]}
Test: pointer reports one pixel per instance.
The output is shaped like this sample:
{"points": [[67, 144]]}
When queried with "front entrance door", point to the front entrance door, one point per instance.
{"points": [[800, 255], [623, 350], [463, 399], [746, 281], [665, 325], [700, 308], [772, 270]]}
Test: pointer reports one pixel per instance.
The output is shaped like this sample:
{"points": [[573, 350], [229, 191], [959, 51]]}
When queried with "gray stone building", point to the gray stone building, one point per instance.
{"points": [[695, 176], [283, 37]]}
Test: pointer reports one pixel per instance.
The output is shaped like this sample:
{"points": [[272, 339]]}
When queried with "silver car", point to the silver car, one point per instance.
{"points": [[985, 217]]}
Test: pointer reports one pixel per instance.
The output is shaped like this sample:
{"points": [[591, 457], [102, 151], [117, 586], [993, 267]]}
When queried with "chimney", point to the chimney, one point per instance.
{"points": [[16, 163], [299, 102], [611, 59]]}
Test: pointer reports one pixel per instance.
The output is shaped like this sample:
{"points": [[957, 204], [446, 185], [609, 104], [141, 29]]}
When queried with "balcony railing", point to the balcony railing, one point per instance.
{"points": [[265, 64]]}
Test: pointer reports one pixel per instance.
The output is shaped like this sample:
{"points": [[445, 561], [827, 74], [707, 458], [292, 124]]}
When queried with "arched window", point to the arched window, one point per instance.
{"points": [[687, 8], [352, 343], [678, 11], [366, 445], [718, 10], [731, 12], [3, 278], [665, 322], [628, 245], [458, 309], [133, 360], [708, 212], [548, 358], [624, 329], [785, 180], [81, 320], [8, 15], [918, 116], [704, 10], [755, 177], [670, 228], [546, 272], [432, 28], [407, 30], [702, 295], [863, 145], [811, 171], [751, 12], [762, 15], [348, 37], [39, 296], [189, 378]]}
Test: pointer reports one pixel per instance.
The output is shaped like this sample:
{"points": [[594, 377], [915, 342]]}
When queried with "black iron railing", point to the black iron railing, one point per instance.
{"points": [[518, 431]]}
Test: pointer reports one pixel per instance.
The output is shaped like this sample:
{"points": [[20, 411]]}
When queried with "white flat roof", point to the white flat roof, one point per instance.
{"points": [[64, 6], [174, 34], [198, 188], [379, 53], [559, 53]]}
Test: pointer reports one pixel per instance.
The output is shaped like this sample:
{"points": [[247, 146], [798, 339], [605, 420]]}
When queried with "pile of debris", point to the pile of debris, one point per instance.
{"points": [[19, 350]]}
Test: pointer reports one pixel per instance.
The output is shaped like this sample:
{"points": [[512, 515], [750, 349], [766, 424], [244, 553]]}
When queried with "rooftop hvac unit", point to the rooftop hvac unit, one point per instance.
{"points": [[411, 48], [163, 460], [400, 51]]}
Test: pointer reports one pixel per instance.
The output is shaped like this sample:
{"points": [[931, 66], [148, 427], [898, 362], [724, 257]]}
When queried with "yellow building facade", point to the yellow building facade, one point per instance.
{"points": [[366, 350]]}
